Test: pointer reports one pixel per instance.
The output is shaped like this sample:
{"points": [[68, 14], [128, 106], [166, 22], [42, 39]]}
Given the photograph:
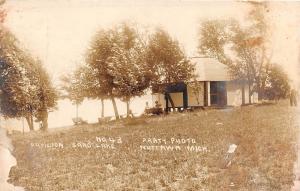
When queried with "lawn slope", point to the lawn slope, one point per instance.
{"points": [[265, 137]]}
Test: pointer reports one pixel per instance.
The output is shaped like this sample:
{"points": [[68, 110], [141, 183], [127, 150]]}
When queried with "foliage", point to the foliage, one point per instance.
{"points": [[26, 90], [98, 57], [129, 67], [214, 38], [277, 85], [244, 49], [166, 60], [80, 84], [124, 65], [12, 97], [196, 89], [46, 94], [128, 62], [117, 56], [3, 12]]}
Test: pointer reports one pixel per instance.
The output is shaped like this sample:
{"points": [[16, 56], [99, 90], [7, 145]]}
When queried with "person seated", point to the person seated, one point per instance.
{"points": [[147, 106], [157, 110], [130, 115], [157, 105]]}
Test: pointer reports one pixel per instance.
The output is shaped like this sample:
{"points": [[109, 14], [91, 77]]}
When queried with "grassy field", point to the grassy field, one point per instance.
{"points": [[265, 137]]}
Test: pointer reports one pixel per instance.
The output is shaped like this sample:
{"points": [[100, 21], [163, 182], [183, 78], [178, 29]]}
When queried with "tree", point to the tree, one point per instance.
{"points": [[125, 65], [277, 83], [128, 64], [25, 85], [14, 100], [98, 57], [72, 89], [117, 57], [252, 46], [46, 95], [197, 89], [3, 12], [243, 49], [166, 62], [29, 87], [26, 90], [78, 85], [214, 38]]}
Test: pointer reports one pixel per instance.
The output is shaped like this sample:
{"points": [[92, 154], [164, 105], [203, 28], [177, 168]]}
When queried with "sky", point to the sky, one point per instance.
{"points": [[59, 33]]}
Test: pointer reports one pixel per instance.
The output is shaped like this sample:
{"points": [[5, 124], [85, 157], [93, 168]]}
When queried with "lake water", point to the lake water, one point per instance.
{"points": [[89, 110]]}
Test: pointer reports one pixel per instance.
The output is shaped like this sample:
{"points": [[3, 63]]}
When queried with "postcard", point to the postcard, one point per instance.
{"points": [[149, 95]]}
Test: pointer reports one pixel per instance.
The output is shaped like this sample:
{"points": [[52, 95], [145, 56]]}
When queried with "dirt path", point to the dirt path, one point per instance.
{"points": [[296, 186]]}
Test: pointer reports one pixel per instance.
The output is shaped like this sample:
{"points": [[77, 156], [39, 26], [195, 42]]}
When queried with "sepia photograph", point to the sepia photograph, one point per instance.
{"points": [[140, 95]]}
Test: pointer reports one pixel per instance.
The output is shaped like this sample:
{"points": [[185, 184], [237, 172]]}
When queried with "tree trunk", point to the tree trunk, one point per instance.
{"points": [[171, 100], [261, 95], [102, 108], [259, 88], [115, 108], [30, 123], [261, 91], [249, 93], [45, 121], [128, 108], [258, 84], [243, 94]]}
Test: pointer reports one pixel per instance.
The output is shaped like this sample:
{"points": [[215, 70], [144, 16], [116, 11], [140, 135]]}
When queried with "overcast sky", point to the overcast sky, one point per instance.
{"points": [[59, 31]]}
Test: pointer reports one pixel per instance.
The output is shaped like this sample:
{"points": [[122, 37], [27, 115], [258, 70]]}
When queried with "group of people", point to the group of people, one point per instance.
{"points": [[156, 110]]}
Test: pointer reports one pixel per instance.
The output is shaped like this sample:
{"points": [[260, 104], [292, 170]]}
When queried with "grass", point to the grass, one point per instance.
{"points": [[266, 137]]}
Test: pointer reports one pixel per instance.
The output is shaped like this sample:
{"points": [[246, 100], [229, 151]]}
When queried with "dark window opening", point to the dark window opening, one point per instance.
{"points": [[218, 95]]}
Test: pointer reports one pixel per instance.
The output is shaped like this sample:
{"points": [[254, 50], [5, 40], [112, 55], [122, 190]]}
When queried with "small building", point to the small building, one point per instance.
{"points": [[212, 87]]}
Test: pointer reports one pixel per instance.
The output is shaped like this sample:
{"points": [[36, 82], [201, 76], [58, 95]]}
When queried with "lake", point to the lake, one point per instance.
{"points": [[89, 110]]}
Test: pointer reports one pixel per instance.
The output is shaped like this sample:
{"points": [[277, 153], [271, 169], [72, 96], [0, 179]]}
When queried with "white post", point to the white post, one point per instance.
{"points": [[208, 93]]}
